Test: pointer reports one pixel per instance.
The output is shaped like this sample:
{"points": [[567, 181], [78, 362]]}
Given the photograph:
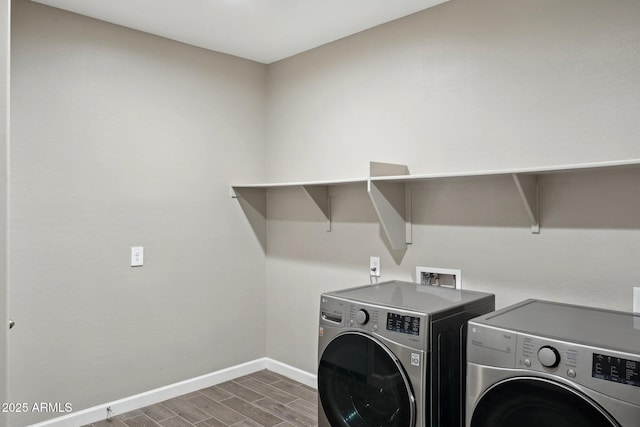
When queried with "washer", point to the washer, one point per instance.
{"points": [[541, 363], [392, 355]]}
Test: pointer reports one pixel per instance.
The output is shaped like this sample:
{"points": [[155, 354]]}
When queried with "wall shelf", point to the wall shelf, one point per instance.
{"points": [[389, 188]]}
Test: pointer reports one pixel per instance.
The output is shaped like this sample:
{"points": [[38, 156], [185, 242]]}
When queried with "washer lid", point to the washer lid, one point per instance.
{"points": [[586, 325], [422, 298]]}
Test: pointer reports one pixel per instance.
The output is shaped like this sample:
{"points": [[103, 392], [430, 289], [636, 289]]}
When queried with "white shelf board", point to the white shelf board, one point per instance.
{"points": [[391, 194], [443, 175], [518, 171], [303, 183]]}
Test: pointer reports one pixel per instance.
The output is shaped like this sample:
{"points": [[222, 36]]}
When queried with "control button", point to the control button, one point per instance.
{"points": [[571, 373], [548, 356], [527, 363], [362, 317], [375, 327]]}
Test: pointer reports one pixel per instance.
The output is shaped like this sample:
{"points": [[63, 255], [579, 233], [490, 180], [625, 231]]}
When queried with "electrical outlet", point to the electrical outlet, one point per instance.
{"points": [[374, 266], [636, 299], [444, 277]]}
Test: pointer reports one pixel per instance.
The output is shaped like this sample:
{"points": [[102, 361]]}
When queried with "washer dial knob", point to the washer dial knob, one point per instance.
{"points": [[548, 356], [362, 317]]}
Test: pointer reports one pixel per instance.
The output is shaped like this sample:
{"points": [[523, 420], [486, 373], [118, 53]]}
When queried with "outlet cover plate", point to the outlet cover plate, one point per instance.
{"points": [[137, 256], [374, 263]]}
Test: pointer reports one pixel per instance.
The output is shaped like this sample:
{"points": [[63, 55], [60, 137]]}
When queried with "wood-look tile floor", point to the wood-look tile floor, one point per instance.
{"points": [[261, 399]]}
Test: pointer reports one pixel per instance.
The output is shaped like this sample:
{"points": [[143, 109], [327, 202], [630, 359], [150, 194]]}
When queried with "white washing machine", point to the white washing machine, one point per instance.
{"points": [[392, 355], [539, 364]]}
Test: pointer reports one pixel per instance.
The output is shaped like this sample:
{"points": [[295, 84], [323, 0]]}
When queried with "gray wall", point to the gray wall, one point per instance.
{"points": [[5, 35], [466, 86], [123, 139]]}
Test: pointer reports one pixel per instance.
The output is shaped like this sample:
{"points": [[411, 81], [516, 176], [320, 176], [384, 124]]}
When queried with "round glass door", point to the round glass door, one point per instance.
{"points": [[533, 402], [361, 384]]}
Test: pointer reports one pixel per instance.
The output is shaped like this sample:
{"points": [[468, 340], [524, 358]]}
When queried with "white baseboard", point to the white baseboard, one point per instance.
{"points": [[289, 371], [99, 412]]}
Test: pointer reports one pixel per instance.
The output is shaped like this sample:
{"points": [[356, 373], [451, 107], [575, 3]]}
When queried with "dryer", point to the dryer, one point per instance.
{"points": [[392, 355], [541, 363]]}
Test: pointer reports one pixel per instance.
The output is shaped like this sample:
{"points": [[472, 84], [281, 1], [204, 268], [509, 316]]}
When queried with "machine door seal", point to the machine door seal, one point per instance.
{"points": [[361, 383], [536, 402]]}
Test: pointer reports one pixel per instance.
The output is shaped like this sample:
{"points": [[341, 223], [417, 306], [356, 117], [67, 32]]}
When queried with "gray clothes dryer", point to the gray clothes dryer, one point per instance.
{"points": [[540, 363], [392, 355]]}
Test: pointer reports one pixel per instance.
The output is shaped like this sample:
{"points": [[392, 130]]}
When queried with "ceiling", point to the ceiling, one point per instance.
{"points": [[261, 30]]}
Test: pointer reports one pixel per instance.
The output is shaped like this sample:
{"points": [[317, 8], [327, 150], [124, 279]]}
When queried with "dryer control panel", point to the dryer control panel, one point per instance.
{"points": [[611, 372], [543, 355], [616, 369], [608, 371]]}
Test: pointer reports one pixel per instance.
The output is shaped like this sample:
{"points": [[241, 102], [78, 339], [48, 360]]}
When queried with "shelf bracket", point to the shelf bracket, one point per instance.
{"points": [[256, 197], [389, 201], [320, 195], [527, 186], [392, 202], [253, 202], [377, 169]]}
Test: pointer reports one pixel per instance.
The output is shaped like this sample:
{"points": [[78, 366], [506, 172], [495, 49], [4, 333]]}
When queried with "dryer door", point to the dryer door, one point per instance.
{"points": [[536, 402], [362, 384]]}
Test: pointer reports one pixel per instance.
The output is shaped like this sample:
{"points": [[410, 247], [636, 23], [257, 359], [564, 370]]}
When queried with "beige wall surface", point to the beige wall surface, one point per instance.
{"points": [[124, 139], [5, 35], [466, 86]]}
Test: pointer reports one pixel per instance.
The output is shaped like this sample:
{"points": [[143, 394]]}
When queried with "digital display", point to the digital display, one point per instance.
{"points": [[616, 369], [404, 324]]}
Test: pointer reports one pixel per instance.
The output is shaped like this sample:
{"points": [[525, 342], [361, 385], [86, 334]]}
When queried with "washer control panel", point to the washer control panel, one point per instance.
{"points": [[402, 326], [405, 324]]}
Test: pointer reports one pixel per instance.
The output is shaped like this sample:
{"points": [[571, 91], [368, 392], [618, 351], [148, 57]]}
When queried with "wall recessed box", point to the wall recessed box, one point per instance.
{"points": [[446, 277]]}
